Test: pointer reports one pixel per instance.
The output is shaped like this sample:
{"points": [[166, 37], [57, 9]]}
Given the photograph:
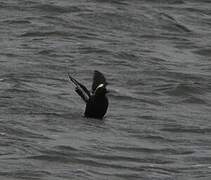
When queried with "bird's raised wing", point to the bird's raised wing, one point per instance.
{"points": [[79, 86], [98, 78]]}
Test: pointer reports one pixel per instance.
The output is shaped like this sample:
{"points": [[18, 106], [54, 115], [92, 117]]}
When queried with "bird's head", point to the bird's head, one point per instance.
{"points": [[100, 90]]}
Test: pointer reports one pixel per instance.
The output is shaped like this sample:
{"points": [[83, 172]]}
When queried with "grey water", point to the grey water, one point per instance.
{"points": [[156, 56]]}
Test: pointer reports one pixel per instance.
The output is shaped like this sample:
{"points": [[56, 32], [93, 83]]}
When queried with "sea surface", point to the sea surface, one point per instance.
{"points": [[156, 56]]}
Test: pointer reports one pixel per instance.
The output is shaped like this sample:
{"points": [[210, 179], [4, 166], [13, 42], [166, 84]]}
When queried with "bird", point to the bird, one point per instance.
{"points": [[96, 100]]}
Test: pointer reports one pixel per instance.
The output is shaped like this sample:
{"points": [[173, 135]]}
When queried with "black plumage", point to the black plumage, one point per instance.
{"points": [[96, 100]]}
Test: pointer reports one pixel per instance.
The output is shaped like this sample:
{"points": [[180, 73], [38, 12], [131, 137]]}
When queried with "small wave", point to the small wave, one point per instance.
{"points": [[194, 100], [57, 9], [126, 55], [66, 148], [21, 132], [188, 130], [131, 98], [169, 151], [120, 2], [185, 90], [181, 89], [203, 52], [43, 34], [45, 52], [154, 138], [184, 76], [17, 22], [8, 54], [66, 155], [199, 160], [122, 94], [89, 50], [170, 23], [61, 153], [25, 174], [167, 1], [56, 157], [182, 27]]}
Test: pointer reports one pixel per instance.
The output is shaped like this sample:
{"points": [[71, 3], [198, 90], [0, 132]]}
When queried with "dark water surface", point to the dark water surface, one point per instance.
{"points": [[156, 56]]}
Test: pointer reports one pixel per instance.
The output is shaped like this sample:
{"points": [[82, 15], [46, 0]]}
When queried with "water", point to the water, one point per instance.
{"points": [[156, 57]]}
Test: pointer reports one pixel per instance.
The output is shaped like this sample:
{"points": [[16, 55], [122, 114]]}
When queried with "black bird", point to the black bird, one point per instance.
{"points": [[96, 100]]}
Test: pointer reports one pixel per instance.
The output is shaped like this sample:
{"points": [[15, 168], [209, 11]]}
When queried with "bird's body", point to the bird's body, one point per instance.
{"points": [[96, 107], [96, 100]]}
